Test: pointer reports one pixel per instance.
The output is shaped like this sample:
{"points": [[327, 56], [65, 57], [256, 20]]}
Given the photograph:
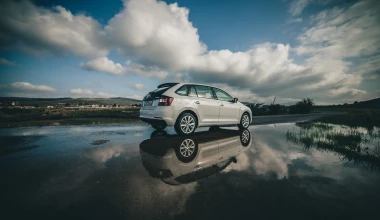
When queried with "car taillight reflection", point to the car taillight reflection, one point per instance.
{"points": [[165, 101]]}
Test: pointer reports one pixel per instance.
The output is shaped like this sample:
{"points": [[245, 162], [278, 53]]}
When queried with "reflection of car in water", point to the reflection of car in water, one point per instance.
{"points": [[177, 159]]}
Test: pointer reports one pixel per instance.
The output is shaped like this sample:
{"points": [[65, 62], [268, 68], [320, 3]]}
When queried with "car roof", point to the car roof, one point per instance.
{"points": [[166, 85], [197, 84]]}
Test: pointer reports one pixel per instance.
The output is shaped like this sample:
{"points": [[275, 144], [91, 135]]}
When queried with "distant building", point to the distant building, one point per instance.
{"points": [[28, 107]]}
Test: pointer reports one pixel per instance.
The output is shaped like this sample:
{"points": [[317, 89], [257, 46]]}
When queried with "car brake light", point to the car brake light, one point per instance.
{"points": [[165, 101]]}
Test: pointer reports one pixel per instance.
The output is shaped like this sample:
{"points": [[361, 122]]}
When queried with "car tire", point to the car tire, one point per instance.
{"points": [[159, 127], [245, 137], [244, 121], [187, 150], [186, 124], [158, 133]]}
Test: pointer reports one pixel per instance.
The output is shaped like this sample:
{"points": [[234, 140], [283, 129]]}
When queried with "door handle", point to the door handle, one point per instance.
{"points": [[221, 105], [197, 102]]}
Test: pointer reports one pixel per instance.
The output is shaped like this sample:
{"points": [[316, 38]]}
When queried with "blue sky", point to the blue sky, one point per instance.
{"points": [[256, 50]]}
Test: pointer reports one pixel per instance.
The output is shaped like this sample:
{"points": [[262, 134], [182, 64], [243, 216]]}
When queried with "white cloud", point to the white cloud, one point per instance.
{"points": [[297, 6], [167, 40], [39, 30], [102, 155], [344, 32], [106, 95], [295, 20], [160, 39], [146, 71], [25, 86], [81, 92], [103, 64], [138, 86], [6, 62], [369, 68], [338, 34], [156, 33]]}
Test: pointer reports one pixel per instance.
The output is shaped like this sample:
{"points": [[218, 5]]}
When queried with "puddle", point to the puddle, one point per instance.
{"points": [[285, 170]]}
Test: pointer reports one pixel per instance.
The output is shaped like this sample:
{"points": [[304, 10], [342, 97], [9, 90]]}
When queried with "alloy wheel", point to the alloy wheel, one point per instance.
{"points": [[245, 136], [245, 121], [187, 148], [187, 124]]}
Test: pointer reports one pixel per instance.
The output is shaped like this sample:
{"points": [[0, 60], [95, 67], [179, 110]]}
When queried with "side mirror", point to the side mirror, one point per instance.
{"points": [[235, 100]]}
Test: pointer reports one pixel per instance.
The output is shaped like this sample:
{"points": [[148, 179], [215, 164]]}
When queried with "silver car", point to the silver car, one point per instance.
{"points": [[187, 106], [178, 160]]}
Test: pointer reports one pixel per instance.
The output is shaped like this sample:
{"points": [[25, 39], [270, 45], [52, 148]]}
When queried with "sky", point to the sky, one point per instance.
{"points": [[327, 50]]}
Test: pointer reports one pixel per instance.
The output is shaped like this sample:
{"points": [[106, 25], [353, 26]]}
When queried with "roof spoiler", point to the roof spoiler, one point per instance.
{"points": [[167, 85]]}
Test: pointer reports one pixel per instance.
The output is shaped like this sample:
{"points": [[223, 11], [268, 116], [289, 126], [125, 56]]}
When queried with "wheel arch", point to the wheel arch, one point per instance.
{"points": [[249, 114], [191, 112]]}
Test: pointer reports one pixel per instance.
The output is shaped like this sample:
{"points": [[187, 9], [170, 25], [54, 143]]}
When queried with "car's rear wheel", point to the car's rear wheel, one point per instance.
{"points": [[158, 133], [159, 127], [186, 124], [187, 150], [244, 121]]}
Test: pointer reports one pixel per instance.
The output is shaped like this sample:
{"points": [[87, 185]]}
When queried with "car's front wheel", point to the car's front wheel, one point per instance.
{"points": [[245, 137], [186, 124], [244, 121]]}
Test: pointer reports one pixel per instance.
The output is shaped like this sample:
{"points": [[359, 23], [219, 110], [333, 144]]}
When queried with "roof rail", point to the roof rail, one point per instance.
{"points": [[167, 85]]}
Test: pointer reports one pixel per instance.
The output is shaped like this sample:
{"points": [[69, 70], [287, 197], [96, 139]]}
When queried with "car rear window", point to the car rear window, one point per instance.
{"points": [[155, 94], [182, 91]]}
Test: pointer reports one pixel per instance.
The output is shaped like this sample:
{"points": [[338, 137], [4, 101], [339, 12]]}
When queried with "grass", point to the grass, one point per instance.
{"points": [[310, 125], [350, 144], [355, 117], [44, 117]]}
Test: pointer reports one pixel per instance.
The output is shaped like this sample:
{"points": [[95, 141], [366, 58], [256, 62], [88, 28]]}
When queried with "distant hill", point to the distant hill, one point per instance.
{"points": [[71, 101], [372, 102]]}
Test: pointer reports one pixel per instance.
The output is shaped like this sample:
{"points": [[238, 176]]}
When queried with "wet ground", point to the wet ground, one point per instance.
{"points": [[129, 171]]}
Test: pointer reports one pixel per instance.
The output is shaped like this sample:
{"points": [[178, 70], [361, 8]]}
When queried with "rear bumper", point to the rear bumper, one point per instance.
{"points": [[159, 115], [154, 121]]}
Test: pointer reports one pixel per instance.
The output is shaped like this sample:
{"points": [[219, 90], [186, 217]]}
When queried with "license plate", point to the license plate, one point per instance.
{"points": [[148, 103]]}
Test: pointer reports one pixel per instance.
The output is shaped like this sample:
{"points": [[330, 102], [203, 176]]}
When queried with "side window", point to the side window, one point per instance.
{"points": [[204, 92], [182, 91], [222, 95], [192, 92]]}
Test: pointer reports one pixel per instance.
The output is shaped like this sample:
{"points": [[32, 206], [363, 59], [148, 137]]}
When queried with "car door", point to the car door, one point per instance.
{"points": [[229, 147], [205, 103], [208, 154], [229, 112]]}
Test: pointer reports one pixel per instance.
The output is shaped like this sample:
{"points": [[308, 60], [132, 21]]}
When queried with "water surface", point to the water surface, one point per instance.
{"points": [[100, 171]]}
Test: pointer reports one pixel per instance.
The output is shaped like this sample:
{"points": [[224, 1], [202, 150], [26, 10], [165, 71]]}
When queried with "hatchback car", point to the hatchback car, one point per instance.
{"points": [[177, 159], [187, 106]]}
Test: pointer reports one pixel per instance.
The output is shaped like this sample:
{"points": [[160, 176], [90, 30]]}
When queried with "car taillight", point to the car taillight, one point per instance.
{"points": [[165, 101]]}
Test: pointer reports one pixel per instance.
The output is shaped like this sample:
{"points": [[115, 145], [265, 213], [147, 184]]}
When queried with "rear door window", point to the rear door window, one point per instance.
{"points": [[204, 92], [192, 92]]}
